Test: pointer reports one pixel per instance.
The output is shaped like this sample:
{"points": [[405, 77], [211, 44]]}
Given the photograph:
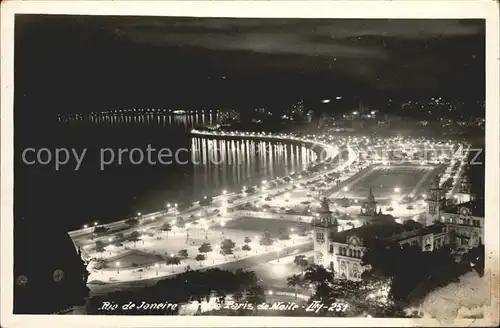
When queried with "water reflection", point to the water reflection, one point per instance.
{"points": [[217, 164], [221, 164], [187, 119]]}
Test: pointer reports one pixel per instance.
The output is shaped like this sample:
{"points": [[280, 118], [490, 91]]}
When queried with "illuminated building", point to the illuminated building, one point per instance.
{"points": [[465, 222], [341, 251], [324, 227], [435, 200], [298, 111], [369, 207]]}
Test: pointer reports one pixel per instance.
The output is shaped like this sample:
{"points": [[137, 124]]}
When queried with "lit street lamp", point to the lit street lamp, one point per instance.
{"points": [[156, 266], [118, 267], [222, 224], [187, 232], [278, 250], [172, 255], [270, 293], [311, 287]]}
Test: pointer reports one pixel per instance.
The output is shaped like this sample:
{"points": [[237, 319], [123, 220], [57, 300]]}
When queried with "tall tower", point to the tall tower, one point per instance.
{"points": [[324, 226], [435, 201], [369, 207], [465, 191]]}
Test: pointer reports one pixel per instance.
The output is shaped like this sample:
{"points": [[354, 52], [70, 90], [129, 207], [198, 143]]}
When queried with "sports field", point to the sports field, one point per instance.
{"points": [[386, 182]]}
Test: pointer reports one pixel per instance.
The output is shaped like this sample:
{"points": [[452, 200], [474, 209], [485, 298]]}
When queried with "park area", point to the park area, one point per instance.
{"points": [[151, 255], [255, 226]]}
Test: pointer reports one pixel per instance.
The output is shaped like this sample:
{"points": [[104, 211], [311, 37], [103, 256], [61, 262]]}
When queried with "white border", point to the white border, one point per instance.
{"points": [[279, 9]]}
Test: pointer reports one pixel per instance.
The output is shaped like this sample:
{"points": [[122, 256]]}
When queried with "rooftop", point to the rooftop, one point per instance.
{"points": [[476, 208], [376, 230], [435, 229], [387, 231]]}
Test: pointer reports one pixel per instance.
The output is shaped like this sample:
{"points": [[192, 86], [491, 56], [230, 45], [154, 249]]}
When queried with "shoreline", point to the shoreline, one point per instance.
{"points": [[330, 150]]}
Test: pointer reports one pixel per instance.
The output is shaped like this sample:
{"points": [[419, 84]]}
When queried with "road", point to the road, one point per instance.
{"points": [[81, 237], [247, 262]]}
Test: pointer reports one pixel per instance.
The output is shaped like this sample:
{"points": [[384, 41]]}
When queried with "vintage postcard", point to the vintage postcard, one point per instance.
{"points": [[250, 163]]}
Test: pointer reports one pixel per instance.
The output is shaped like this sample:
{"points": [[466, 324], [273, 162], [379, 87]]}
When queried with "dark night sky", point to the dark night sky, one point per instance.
{"points": [[85, 63], [91, 63]]}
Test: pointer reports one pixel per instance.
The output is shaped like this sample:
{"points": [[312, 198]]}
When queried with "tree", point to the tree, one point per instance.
{"points": [[301, 261], [200, 258], [226, 247], [453, 240], [246, 248], [132, 222], [173, 260], [413, 273], [206, 201], [117, 243], [475, 259], [250, 190], [205, 248], [411, 225], [317, 274], [385, 218], [247, 240], [284, 235], [266, 240], [221, 295], [181, 289], [100, 230], [255, 295], [180, 223], [134, 237], [166, 227], [238, 296], [294, 281], [303, 232], [183, 254], [119, 235], [345, 202], [99, 247]]}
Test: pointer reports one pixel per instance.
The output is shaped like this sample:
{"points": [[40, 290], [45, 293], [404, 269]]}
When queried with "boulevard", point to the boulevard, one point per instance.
{"points": [[285, 204]]}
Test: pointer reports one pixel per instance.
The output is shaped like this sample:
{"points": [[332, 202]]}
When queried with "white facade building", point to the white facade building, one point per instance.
{"points": [[465, 222], [342, 251]]}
